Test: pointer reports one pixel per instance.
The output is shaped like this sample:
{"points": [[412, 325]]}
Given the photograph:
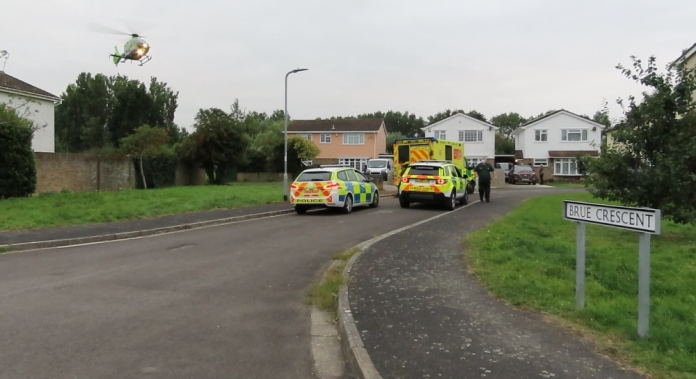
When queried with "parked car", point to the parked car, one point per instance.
{"points": [[506, 166], [380, 166], [522, 174]]}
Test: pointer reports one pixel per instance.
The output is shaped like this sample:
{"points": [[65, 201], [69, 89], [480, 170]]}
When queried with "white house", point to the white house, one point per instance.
{"points": [[554, 140], [34, 104], [478, 136]]}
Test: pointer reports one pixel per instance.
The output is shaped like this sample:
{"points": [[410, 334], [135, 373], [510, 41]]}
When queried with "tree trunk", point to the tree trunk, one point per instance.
{"points": [[210, 171], [142, 172], [220, 174]]}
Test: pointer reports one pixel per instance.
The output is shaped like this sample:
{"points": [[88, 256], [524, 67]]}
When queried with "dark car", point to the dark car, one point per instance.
{"points": [[522, 174]]}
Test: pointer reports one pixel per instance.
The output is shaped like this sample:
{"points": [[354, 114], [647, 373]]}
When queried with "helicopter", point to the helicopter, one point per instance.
{"points": [[135, 49]]}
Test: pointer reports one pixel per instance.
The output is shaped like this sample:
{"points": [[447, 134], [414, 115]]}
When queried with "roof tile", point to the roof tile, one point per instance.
{"points": [[10, 82], [342, 125]]}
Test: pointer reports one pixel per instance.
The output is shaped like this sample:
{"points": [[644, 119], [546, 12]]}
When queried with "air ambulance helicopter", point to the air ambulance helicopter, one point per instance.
{"points": [[135, 49]]}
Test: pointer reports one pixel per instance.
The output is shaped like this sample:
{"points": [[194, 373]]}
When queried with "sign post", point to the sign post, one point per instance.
{"points": [[646, 221]]}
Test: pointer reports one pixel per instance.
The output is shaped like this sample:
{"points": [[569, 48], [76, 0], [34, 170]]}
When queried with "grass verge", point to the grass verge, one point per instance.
{"points": [[58, 209], [324, 295], [528, 259]]}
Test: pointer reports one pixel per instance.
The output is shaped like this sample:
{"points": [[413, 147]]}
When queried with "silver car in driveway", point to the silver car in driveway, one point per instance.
{"points": [[506, 166]]}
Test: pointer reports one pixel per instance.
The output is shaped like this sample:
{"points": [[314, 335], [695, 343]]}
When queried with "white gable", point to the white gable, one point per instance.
{"points": [[562, 131], [478, 136]]}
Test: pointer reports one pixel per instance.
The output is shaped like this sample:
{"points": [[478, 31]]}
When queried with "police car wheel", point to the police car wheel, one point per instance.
{"points": [[375, 200], [300, 210], [348, 204], [465, 199]]}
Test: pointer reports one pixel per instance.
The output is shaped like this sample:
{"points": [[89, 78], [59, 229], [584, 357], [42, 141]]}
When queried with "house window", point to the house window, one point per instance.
{"points": [[541, 162], [574, 135], [357, 163], [354, 139], [471, 135], [472, 162], [306, 136], [325, 138], [440, 134], [565, 166], [540, 136]]}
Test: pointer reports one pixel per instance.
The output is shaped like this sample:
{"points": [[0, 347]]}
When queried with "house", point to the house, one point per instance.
{"points": [[344, 141], [34, 104], [478, 136], [555, 140]]}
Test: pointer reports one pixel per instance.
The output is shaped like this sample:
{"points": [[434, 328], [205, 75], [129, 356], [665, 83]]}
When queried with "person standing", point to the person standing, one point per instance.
{"points": [[483, 172], [541, 175]]}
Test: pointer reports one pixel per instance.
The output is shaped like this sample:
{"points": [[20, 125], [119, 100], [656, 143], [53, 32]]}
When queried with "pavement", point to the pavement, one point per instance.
{"points": [[420, 314]]}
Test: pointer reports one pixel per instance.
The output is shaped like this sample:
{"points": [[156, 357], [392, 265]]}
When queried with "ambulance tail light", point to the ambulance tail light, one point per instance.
{"points": [[441, 181], [404, 180]]}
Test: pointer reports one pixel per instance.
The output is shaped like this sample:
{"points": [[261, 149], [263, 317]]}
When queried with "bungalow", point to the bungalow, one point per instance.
{"points": [[344, 141], [555, 140], [34, 104]]}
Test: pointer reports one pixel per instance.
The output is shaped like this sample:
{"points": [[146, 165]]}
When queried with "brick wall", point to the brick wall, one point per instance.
{"points": [[81, 172]]}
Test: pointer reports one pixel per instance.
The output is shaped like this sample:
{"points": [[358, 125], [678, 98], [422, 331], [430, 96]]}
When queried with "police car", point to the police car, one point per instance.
{"points": [[333, 186], [433, 181]]}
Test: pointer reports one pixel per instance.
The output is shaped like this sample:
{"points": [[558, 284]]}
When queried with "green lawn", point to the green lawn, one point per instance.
{"points": [[59, 209], [528, 259]]}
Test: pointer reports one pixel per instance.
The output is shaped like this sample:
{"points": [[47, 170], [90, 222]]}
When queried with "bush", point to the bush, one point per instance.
{"points": [[18, 174], [160, 171]]}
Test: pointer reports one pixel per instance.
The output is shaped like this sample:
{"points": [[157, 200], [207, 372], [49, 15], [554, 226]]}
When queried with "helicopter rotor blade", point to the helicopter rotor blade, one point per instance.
{"points": [[105, 29], [132, 25]]}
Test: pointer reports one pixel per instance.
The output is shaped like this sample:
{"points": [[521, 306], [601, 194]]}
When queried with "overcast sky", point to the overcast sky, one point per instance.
{"points": [[404, 55]]}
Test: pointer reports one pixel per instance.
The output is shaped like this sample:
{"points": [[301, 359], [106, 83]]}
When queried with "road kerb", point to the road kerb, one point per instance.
{"points": [[357, 357], [134, 234]]}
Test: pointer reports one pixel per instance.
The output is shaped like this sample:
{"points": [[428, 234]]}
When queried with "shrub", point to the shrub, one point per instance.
{"points": [[18, 173]]}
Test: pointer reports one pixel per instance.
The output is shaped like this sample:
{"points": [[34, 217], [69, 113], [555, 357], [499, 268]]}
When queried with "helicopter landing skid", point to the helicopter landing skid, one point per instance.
{"points": [[144, 60]]}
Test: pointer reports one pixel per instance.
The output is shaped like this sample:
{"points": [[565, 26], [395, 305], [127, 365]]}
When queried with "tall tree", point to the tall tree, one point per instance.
{"points": [[508, 122], [405, 123], [477, 115], [132, 106], [391, 137], [504, 145], [653, 160], [299, 149], [218, 143], [439, 116], [81, 119], [97, 111]]}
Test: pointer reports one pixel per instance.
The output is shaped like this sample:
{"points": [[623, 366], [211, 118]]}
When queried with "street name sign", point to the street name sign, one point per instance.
{"points": [[646, 221]]}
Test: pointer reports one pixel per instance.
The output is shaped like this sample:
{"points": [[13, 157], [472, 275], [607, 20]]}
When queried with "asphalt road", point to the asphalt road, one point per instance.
{"points": [[422, 315], [218, 302]]}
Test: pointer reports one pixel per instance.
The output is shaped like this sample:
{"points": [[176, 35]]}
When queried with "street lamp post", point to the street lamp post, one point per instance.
{"points": [[285, 150]]}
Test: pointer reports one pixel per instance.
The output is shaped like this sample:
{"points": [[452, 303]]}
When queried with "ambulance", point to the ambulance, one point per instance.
{"points": [[413, 150]]}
